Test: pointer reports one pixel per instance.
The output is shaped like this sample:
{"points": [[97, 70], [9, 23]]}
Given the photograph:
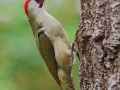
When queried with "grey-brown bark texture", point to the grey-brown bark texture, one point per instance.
{"points": [[97, 45]]}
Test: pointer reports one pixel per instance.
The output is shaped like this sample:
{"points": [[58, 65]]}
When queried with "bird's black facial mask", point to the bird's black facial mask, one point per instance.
{"points": [[40, 2]]}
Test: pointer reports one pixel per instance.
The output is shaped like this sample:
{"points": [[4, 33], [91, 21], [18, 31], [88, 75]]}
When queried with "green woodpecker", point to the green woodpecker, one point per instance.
{"points": [[52, 42]]}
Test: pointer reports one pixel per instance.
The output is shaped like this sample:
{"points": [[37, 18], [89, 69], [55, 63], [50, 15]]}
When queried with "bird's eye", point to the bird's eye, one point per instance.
{"points": [[38, 1]]}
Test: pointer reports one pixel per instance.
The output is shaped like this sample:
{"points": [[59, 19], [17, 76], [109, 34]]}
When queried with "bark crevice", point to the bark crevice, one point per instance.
{"points": [[97, 44]]}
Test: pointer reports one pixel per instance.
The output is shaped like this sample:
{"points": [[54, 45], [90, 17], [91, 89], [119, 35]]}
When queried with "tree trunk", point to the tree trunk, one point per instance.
{"points": [[97, 44]]}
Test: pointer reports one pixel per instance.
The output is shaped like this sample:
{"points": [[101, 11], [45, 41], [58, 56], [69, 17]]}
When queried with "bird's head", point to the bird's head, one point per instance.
{"points": [[40, 2]]}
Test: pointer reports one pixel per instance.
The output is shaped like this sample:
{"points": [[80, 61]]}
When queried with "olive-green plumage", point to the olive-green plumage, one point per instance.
{"points": [[47, 52]]}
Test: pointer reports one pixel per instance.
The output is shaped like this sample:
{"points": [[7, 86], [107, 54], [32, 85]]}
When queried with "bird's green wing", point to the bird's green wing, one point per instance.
{"points": [[47, 52]]}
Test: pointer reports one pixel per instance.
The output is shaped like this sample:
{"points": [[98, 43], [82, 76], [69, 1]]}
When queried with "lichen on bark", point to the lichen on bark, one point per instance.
{"points": [[97, 44]]}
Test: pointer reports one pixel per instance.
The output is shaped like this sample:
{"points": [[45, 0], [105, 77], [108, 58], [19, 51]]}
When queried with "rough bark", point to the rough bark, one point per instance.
{"points": [[97, 44]]}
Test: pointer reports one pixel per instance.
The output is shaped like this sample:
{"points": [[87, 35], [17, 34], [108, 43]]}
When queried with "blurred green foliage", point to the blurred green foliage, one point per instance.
{"points": [[21, 66]]}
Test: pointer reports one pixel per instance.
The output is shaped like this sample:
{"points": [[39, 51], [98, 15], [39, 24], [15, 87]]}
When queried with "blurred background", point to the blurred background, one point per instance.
{"points": [[21, 66]]}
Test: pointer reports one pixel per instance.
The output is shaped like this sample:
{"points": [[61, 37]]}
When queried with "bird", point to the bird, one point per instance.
{"points": [[52, 42]]}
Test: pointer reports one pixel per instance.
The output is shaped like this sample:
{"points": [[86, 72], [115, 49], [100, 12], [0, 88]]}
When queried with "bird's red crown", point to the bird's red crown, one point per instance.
{"points": [[26, 6]]}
